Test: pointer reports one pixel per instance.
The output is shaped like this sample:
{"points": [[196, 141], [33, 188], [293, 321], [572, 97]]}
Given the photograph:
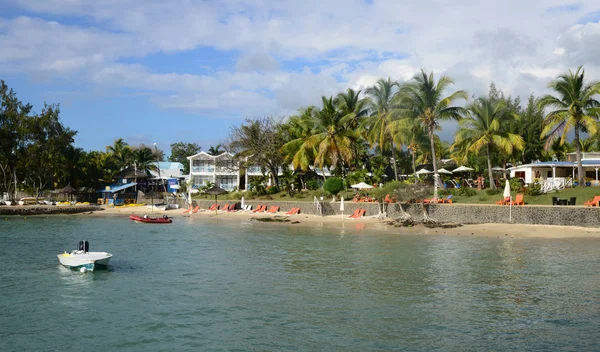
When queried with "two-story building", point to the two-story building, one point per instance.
{"points": [[220, 169]]}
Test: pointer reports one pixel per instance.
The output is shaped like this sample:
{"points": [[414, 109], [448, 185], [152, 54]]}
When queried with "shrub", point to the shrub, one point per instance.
{"points": [[468, 192], [446, 191], [312, 185], [516, 184], [333, 185], [534, 189], [272, 190], [236, 195], [491, 191]]}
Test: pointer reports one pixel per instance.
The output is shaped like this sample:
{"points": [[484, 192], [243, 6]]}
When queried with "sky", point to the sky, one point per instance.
{"points": [[154, 71]]}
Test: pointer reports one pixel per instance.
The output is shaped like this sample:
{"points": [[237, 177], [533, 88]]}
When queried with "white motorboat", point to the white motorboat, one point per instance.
{"points": [[84, 260]]}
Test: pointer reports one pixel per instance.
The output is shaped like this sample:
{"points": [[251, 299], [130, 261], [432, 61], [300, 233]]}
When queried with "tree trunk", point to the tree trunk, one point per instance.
{"points": [[490, 172], [413, 165], [580, 175], [433, 162]]}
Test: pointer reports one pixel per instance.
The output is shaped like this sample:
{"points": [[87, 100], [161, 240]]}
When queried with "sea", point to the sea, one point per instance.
{"points": [[211, 284]]}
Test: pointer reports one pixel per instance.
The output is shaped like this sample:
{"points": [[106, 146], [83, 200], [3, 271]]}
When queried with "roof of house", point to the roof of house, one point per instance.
{"points": [[205, 154], [550, 164]]}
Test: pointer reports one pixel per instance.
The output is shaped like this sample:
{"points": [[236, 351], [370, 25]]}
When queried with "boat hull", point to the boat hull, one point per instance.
{"points": [[89, 260], [141, 219]]}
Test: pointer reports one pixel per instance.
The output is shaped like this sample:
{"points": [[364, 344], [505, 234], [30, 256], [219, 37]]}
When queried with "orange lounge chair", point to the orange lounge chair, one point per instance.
{"points": [[518, 200], [189, 210], [447, 200], [214, 207], [260, 208], [274, 209], [432, 200], [225, 207], [357, 214], [504, 201], [593, 203], [293, 211], [196, 209]]}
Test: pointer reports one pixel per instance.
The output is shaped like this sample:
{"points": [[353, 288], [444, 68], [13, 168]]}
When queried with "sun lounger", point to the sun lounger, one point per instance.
{"points": [[214, 207], [504, 201], [189, 210], [293, 211], [357, 214], [518, 200], [225, 207], [593, 203], [196, 209], [447, 200], [260, 209], [274, 209]]}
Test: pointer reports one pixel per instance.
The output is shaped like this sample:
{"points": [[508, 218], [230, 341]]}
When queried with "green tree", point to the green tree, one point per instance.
{"points": [[573, 108], [180, 151], [214, 151], [121, 153], [378, 124], [13, 135], [298, 129], [333, 185], [331, 138], [423, 100], [484, 128], [259, 142]]}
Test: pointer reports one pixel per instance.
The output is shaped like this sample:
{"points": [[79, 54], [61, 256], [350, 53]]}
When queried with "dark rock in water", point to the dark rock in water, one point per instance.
{"points": [[274, 219], [446, 225], [295, 222]]}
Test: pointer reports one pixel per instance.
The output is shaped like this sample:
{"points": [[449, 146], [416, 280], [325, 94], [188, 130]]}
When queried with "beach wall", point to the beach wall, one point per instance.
{"points": [[46, 209], [460, 213]]}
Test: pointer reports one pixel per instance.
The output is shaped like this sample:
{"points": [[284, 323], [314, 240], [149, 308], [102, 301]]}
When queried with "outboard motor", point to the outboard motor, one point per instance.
{"points": [[84, 246]]}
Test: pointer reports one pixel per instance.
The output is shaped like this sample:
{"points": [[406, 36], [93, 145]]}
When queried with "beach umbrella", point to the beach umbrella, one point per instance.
{"points": [[243, 203], [444, 171], [215, 190], [507, 195], [507, 190], [342, 207], [462, 169], [362, 185], [423, 172], [152, 195], [69, 190]]}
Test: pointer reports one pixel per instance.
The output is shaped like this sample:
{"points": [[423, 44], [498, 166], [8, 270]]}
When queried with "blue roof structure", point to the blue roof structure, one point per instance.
{"points": [[114, 188]]}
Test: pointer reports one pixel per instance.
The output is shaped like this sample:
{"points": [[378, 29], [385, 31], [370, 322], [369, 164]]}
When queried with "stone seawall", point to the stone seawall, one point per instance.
{"points": [[46, 209], [460, 213]]}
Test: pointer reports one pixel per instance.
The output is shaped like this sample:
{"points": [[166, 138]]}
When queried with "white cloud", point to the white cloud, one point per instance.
{"points": [[342, 43]]}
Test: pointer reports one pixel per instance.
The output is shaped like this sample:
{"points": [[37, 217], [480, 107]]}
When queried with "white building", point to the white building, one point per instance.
{"points": [[559, 174], [219, 169]]}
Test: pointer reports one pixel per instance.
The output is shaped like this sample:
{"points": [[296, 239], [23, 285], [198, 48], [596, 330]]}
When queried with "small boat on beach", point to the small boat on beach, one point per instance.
{"points": [[84, 260], [150, 220]]}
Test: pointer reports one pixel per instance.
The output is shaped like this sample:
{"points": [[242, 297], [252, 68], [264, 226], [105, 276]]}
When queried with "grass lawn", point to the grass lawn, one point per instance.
{"points": [[583, 194]]}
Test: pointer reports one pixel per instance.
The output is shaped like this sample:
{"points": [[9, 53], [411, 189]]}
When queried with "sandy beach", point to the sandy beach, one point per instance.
{"points": [[371, 224]]}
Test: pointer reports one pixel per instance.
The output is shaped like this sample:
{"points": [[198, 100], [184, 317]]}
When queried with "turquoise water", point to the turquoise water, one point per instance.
{"points": [[225, 285]]}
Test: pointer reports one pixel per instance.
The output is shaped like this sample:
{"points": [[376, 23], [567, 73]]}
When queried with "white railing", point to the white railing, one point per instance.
{"points": [[318, 205], [556, 183]]}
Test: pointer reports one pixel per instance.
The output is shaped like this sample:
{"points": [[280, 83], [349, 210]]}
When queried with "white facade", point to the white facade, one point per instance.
{"points": [[219, 169]]}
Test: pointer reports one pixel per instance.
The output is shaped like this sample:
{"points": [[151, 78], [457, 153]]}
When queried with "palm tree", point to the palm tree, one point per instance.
{"points": [[331, 138], [300, 128], [574, 109], [354, 111], [120, 152], [405, 132], [485, 128], [422, 99], [214, 151], [377, 125]]}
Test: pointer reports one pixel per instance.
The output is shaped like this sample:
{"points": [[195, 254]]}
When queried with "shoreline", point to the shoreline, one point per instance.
{"points": [[366, 224]]}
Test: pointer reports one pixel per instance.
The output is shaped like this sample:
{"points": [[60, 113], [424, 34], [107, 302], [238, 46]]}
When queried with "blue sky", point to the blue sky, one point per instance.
{"points": [[155, 71]]}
